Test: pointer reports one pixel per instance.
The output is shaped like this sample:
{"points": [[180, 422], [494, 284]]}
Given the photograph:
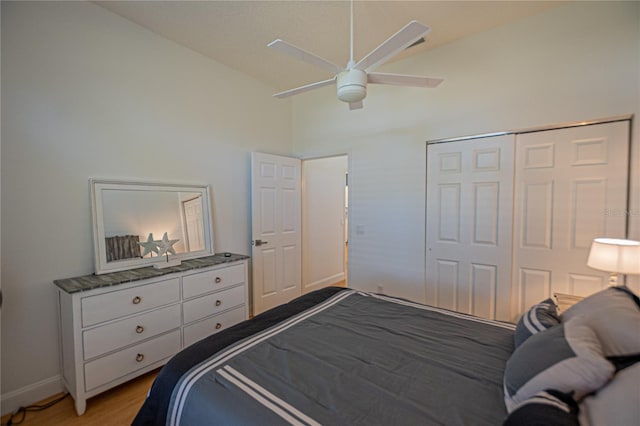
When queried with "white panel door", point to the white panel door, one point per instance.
{"points": [[469, 218], [276, 233], [569, 185]]}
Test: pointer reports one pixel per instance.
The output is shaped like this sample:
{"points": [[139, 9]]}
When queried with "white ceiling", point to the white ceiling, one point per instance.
{"points": [[236, 33]]}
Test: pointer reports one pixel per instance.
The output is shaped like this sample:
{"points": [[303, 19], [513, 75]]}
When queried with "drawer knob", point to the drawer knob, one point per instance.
{"points": [[218, 326], [218, 303], [218, 280], [139, 329], [137, 300], [139, 357]]}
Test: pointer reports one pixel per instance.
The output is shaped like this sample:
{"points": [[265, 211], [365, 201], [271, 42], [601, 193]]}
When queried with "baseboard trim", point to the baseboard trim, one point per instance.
{"points": [[323, 282], [30, 394]]}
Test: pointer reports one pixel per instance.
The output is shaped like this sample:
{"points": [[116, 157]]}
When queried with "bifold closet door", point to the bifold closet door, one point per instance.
{"points": [[469, 226], [570, 183]]}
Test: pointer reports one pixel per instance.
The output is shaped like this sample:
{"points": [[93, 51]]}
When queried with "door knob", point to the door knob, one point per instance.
{"points": [[260, 242]]}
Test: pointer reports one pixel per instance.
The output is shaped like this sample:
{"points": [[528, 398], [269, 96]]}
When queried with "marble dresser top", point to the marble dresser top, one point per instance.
{"points": [[89, 282]]}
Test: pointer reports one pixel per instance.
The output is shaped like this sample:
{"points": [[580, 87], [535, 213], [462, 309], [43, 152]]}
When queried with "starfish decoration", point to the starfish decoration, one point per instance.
{"points": [[149, 246], [166, 245]]}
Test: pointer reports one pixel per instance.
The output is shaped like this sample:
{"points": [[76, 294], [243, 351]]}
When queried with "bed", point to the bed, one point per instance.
{"points": [[343, 357]]}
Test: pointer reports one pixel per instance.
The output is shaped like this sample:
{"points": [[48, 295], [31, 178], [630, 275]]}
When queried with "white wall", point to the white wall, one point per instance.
{"points": [[85, 94], [323, 201], [578, 61]]}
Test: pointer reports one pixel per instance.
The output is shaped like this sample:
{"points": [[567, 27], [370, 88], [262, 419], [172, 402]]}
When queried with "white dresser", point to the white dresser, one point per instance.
{"points": [[113, 331]]}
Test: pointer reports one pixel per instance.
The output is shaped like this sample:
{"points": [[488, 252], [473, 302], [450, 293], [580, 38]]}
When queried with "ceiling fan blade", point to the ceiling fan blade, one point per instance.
{"points": [[355, 105], [403, 80], [305, 88], [304, 56], [394, 44]]}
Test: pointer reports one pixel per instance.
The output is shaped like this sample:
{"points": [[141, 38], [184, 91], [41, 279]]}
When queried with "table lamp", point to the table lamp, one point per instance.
{"points": [[615, 256]]}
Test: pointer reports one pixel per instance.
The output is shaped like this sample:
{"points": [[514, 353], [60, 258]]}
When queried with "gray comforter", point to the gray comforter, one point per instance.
{"points": [[356, 359]]}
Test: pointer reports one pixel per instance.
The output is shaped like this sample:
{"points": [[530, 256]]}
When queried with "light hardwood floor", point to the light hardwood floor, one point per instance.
{"points": [[115, 407]]}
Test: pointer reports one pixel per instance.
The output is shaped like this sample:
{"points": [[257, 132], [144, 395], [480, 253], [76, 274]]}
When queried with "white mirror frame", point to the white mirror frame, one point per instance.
{"points": [[97, 209]]}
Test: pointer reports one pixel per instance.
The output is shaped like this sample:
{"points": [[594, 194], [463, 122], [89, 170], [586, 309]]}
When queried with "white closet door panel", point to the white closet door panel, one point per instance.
{"points": [[469, 219], [535, 285], [587, 220], [567, 180], [447, 283], [486, 201], [449, 214], [537, 214], [484, 282], [584, 285]]}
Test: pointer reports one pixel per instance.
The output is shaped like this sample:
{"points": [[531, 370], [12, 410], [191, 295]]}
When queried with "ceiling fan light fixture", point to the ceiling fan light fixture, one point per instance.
{"points": [[352, 80], [352, 85]]}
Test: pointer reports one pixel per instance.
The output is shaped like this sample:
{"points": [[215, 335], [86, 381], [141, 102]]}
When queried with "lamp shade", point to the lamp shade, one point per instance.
{"points": [[615, 255]]}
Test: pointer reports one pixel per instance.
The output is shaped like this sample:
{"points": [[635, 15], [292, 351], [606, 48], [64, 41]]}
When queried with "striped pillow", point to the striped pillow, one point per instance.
{"points": [[567, 358], [539, 317]]}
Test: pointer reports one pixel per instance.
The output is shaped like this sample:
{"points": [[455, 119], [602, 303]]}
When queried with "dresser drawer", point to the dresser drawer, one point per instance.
{"points": [[205, 306], [212, 325], [111, 367], [116, 304], [205, 282], [106, 338]]}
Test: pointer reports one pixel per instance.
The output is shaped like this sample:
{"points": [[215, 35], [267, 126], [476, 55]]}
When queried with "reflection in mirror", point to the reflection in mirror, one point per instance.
{"points": [[192, 212], [136, 224], [130, 216]]}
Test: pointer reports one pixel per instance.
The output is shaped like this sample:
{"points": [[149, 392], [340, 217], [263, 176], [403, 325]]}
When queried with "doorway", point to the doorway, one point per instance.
{"points": [[324, 222]]}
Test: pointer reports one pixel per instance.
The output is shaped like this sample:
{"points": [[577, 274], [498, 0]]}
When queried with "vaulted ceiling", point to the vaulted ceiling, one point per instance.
{"points": [[236, 33]]}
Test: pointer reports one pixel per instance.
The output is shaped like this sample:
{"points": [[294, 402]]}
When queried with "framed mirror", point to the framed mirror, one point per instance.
{"points": [[138, 224]]}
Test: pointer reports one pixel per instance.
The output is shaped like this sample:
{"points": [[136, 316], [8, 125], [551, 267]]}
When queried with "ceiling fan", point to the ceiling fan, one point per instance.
{"points": [[352, 80]]}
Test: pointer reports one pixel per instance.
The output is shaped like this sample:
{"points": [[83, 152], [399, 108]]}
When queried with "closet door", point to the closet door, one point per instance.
{"points": [[469, 225], [571, 186]]}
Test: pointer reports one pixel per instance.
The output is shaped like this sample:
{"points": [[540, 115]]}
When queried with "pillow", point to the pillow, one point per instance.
{"points": [[567, 357], [614, 314], [538, 318], [549, 408], [618, 403]]}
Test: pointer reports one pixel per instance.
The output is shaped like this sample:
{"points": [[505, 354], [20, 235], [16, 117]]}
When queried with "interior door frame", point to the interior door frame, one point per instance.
{"points": [[305, 237], [252, 233]]}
